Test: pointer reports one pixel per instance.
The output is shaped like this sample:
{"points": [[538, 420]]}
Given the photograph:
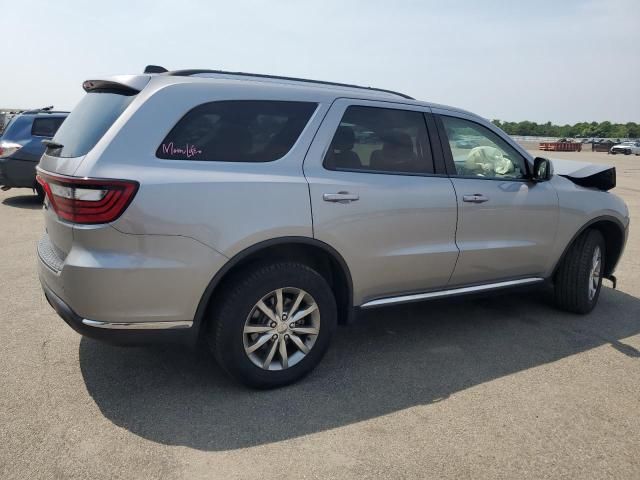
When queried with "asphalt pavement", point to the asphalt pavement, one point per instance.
{"points": [[498, 387]]}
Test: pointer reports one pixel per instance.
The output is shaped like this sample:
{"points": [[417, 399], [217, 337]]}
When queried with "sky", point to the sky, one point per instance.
{"points": [[560, 61]]}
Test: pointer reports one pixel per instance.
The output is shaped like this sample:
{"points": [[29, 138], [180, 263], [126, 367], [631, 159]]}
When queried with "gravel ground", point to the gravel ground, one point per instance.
{"points": [[500, 387]]}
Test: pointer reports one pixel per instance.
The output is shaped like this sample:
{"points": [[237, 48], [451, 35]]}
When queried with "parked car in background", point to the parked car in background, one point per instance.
{"points": [[626, 148], [5, 118], [603, 145], [21, 147], [463, 143], [245, 211]]}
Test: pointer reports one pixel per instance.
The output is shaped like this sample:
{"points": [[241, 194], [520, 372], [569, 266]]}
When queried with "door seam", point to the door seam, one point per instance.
{"points": [[304, 160], [455, 233]]}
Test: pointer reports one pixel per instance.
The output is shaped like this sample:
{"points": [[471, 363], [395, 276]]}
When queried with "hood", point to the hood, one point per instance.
{"points": [[593, 175]]}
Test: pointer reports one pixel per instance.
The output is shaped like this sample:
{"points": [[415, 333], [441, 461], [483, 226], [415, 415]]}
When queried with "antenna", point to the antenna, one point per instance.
{"points": [[154, 69]]}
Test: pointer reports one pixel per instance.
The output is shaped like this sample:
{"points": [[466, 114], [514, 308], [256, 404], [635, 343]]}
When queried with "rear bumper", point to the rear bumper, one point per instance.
{"points": [[127, 289], [118, 334]]}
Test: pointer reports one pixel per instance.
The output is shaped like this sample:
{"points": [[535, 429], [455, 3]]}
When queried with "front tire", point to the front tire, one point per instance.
{"points": [[579, 278], [273, 324]]}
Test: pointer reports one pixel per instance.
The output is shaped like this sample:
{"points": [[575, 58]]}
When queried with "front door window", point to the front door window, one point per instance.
{"points": [[478, 152]]}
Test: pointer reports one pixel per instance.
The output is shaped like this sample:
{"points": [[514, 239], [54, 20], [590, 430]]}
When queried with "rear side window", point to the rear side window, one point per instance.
{"points": [[237, 131], [89, 121], [46, 126], [381, 140]]}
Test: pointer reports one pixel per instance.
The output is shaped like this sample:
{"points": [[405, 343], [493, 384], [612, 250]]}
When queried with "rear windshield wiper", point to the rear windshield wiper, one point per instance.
{"points": [[52, 144]]}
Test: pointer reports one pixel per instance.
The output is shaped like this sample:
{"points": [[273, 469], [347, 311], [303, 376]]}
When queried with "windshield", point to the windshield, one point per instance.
{"points": [[88, 122]]}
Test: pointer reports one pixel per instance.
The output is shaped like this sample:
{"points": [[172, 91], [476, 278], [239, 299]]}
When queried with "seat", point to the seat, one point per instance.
{"points": [[231, 142], [396, 154], [342, 154]]}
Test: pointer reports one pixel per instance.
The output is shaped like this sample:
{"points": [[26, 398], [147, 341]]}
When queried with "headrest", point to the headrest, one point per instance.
{"points": [[397, 140], [344, 138], [232, 140]]}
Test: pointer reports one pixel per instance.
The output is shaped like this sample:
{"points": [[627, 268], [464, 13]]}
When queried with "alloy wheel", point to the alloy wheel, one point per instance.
{"points": [[595, 273], [281, 328]]}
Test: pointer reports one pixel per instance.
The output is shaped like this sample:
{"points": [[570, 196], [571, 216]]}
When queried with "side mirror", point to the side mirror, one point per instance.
{"points": [[542, 169]]}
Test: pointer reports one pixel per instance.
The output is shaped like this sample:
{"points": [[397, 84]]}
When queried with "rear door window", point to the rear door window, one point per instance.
{"points": [[380, 140], [46, 126], [89, 121], [237, 131]]}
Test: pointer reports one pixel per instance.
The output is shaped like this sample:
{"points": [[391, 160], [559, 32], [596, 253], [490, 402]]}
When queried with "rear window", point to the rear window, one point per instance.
{"points": [[237, 131], [46, 126], [19, 128], [89, 121]]}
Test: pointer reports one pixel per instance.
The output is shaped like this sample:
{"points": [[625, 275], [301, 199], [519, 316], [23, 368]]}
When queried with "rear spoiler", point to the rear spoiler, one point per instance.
{"points": [[123, 84]]}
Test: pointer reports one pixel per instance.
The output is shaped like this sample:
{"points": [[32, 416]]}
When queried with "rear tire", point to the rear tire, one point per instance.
{"points": [[579, 277], [238, 311]]}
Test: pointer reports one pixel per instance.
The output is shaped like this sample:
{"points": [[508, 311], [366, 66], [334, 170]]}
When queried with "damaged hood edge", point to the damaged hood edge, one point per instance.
{"points": [[591, 175]]}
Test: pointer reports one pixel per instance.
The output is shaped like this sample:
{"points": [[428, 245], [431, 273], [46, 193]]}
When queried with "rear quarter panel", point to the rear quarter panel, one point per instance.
{"points": [[225, 205]]}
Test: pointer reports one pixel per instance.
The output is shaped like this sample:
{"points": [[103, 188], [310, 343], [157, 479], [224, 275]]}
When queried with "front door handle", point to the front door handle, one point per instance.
{"points": [[341, 197], [475, 198]]}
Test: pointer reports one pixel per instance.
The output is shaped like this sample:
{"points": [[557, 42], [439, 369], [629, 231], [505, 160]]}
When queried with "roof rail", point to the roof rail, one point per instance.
{"points": [[188, 73]]}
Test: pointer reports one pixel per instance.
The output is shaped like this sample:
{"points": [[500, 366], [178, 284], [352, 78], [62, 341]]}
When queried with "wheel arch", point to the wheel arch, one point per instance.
{"points": [[319, 255], [614, 234]]}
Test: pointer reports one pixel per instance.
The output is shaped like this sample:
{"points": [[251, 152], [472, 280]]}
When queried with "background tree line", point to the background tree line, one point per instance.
{"points": [[582, 129]]}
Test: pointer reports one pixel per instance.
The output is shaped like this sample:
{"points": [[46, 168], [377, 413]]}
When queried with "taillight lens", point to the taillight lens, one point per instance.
{"points": [[8, 148], [87, 200]]}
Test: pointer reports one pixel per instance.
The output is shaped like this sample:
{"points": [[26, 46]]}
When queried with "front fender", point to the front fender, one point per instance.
{"points": [[582, 208]]}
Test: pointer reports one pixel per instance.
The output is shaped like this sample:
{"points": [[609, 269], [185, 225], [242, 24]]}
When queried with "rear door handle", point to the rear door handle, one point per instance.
{"points": [[475, 198], [341, 197]]}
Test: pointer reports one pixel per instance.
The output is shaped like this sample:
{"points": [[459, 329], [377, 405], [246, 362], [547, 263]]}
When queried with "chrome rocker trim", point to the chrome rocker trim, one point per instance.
{"points": [[448, 293], [139, 325]]}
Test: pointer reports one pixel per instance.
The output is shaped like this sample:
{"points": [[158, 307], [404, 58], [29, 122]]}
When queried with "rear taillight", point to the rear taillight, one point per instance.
{"points": [[87, 200], [8, 148]]}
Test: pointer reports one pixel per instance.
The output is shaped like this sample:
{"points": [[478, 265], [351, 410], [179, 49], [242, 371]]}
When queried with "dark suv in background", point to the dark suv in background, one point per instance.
{"points": [[21, 147]]}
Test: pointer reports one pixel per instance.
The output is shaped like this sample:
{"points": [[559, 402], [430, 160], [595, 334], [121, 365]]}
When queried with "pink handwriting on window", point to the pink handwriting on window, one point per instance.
{"points": [[188, 150]]}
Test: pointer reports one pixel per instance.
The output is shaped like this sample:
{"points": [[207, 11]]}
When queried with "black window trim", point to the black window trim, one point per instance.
{"points": [[439, 162], [449, 164], [38, 118], [391, 106], [231, 162]]}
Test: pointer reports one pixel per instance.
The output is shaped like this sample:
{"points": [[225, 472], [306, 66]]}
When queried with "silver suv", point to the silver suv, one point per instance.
{"points": [[256, 213]]}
